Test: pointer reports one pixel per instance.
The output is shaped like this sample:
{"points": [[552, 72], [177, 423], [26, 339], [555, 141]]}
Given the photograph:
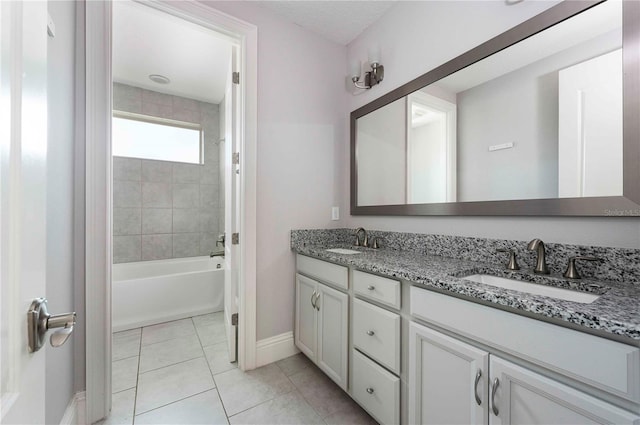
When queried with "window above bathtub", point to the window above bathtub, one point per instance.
{"points": [[147, 137]]}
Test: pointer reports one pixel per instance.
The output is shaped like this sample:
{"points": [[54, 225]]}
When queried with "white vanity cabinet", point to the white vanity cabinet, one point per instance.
{"points": [[321, 325], [451, 381]]}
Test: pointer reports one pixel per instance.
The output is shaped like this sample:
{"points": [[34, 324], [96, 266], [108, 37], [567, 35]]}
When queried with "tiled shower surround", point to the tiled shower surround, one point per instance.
{"points": [[165, 209]]}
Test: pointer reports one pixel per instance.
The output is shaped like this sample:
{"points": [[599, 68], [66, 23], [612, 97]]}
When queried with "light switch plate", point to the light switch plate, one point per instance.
{"points": [[335, 213]]}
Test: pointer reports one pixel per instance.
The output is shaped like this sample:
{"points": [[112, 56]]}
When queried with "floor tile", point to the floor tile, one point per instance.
{"points": [[290, 408], [218, 358], [172, 383], [353, 416], [165, 353], [126, 344], [204, 408], [321, 392], [121, 408], [211, 334], [294, 364], [242, 390], [124, 374], [165, 331], [209, 319]]}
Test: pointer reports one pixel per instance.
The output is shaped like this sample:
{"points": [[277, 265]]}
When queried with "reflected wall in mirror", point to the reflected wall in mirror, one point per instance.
{"points": [[540, 118]]}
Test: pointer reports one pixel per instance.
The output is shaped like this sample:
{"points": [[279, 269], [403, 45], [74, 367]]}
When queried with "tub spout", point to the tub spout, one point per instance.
{"points": [[216, 254]]}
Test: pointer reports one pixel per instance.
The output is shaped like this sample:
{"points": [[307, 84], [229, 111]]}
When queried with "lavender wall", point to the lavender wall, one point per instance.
{"points": [[165, 209]]}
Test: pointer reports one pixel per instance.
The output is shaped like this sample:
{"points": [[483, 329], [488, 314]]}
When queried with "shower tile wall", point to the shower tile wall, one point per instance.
{"points": [[166, 209]]}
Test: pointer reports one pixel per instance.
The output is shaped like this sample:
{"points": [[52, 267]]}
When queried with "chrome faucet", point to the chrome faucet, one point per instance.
{"points": [[541, 262], [365, 240], [216, 254]]}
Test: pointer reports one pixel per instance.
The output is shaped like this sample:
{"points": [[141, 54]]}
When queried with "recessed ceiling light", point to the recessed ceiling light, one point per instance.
{"points": [[160, 79]]}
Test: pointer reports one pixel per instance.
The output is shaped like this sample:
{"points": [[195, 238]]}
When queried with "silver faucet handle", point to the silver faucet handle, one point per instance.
{"points": [[513, 263], [572, 271], [376, 242]]}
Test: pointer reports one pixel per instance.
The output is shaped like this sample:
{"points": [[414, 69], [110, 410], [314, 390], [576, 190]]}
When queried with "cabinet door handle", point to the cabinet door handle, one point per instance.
{"points": [[371, 333], [494, 388], [371, 287], [313, 304], [370, 390], [475, 387], [318, 304]]}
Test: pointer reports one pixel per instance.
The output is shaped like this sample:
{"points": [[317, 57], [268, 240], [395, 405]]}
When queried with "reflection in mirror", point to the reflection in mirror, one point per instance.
{"points": [[541, 119]]}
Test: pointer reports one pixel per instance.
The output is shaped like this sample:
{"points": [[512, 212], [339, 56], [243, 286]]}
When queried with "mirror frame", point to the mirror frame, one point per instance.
{"points": [[610, 206]]}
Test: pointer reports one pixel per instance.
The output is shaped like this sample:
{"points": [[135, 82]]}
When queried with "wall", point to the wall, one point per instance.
{"points": [[301, 123], [452, 28], [165, 209], [60, 203]]}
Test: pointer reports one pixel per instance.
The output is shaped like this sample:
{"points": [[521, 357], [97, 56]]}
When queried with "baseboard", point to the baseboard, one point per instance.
{"points": [[276, 348], [74, 414]]}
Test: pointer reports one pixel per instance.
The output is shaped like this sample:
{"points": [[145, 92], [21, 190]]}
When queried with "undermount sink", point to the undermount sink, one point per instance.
{"points": [[342, 251], [534, 288]]}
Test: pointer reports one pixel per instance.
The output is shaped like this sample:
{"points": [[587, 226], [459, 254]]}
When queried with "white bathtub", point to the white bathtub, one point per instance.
{"points": [[149, 292]]}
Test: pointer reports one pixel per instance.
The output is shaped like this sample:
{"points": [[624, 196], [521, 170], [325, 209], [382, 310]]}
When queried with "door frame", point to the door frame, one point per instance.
{"points": [[98, 238]]}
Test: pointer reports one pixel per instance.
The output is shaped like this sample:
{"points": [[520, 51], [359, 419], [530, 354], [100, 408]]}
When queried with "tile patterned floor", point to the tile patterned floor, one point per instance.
{"points": [[179, 373]]}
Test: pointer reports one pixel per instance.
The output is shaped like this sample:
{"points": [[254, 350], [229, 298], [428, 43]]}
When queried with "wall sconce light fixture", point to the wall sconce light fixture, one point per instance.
{"points": [[371, 78]]}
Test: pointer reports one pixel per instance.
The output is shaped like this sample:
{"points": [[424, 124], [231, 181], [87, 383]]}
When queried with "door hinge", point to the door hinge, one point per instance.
{"points": [[236, 158], [235, 238], [234, 319], [235, 78]]}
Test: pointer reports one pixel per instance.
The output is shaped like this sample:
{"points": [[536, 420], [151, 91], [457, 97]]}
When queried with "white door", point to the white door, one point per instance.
{"points": [[232, 205], [306, 325], [525, 397], [590, 127], [23, 153], [332, 307], [447, 379]]}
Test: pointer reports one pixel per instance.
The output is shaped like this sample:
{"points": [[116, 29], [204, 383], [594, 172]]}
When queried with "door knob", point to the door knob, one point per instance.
{"points": [[39, 321]]}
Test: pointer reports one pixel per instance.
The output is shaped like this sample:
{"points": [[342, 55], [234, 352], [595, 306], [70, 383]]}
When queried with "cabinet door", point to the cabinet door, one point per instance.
{"points": [[332, 334], [525, 397], [447, 379], [306, 326]]}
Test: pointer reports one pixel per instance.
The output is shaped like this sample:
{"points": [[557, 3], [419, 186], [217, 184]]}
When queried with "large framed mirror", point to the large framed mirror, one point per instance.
{"points": [[543, 119]]}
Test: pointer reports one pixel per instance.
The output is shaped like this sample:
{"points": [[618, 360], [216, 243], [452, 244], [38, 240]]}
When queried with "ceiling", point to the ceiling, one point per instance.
{"points": [[196, 60], [338, 21], [146, 41]]}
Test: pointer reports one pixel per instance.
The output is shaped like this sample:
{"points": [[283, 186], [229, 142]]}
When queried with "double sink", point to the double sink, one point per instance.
{"points": [[532, 288]]}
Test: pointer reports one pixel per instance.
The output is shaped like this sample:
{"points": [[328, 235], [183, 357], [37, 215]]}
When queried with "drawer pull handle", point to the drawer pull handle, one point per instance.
{"points": [[371, 287], [475, 387], [313, 304], [371, 333], [494, 388], [370, 390]]}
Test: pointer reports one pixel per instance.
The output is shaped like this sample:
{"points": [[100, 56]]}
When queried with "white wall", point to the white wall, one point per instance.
{"points": [[301, 116], [415, 37], [60, 154]]}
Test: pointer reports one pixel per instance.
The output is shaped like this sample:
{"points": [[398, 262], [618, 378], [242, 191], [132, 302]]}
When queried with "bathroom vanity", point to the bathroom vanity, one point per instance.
{"points": [[413, 341]]}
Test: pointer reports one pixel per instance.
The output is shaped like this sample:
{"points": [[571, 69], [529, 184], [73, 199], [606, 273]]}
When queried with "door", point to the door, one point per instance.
{"points": [[232, 207], [525, 397], [447, 379], [23, 153], [590, 127], [306, 326], [332, 307]]}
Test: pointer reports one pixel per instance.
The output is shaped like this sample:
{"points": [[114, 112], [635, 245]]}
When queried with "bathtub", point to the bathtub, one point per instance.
{"points": [[149, 292]]}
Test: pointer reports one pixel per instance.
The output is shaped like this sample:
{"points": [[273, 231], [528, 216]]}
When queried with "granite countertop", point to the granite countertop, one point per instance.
{"points": [[614, 315]]}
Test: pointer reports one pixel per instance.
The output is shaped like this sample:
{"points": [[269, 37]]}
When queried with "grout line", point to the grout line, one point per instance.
{"points": [[135, 398], [266, 401], [173, 402], [172, 364]]}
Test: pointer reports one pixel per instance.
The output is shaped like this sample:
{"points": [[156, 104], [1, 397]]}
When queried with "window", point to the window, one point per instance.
{"points": [[140, 136]]}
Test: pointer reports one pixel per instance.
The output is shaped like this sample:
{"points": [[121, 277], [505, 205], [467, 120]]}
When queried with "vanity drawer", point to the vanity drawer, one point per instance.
{"points": [[323, 271], [376, 332], [608, 365], [377, 390], [381, 289]]}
